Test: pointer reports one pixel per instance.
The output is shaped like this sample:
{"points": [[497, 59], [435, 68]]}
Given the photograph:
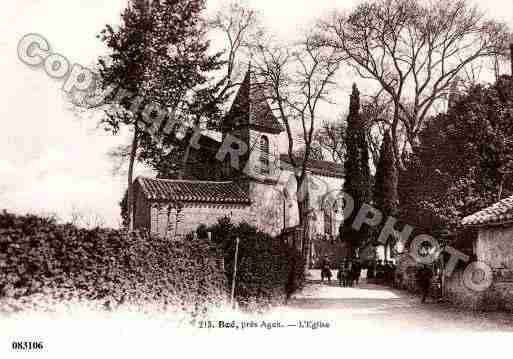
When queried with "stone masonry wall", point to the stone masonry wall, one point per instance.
{"points": [[498, 297], [266, 210], [494, 247], [194, 214]]}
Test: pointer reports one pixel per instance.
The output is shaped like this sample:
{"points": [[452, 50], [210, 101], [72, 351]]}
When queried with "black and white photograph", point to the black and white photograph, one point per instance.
{"points": [[256, 178]]}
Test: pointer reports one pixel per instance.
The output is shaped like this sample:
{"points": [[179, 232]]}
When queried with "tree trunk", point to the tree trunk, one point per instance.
{"points": [[185, 160], [501, 185], [133, 152], [186, 155], [395, 141], [511, 57], [302, 205]]}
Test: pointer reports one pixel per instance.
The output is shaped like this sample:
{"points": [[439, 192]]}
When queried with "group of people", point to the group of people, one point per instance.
{"points": [[382, 271], [348, 275], [349, 271]]}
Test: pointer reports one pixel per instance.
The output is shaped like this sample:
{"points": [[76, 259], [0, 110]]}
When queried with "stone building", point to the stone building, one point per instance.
{"points": [[493, 246], [240, 173]]}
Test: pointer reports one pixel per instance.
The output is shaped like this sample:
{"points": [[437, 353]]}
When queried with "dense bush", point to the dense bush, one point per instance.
{"points": [[267, 268], [38, 256]]}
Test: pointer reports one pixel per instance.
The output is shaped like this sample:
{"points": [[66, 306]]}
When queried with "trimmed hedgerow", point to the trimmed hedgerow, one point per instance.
{"points": [[40, 257], [267, 269]]}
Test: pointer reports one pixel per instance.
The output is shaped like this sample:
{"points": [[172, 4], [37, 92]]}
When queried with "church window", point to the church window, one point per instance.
{"points": [[264, 154], [328, 221]]}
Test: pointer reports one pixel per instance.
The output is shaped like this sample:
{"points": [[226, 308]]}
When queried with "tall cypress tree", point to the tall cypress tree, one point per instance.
{"points": [[385, 182], [385, 194], [357, 173]]}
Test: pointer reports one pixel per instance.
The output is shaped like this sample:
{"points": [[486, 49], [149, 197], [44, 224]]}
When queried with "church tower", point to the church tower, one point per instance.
{"points": [[252, 121]]}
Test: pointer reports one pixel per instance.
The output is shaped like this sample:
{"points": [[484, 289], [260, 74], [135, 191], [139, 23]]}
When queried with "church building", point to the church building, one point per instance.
{"points": [[257, 186]]}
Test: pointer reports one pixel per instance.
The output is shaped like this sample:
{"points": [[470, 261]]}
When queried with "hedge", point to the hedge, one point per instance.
{"points": [[267, 269], [61, 262]]}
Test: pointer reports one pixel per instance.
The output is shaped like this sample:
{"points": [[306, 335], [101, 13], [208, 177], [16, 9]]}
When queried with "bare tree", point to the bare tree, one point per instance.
{"points": [[236, 23], [295, 79], [413, 50], [376, 113], [331, 138]]}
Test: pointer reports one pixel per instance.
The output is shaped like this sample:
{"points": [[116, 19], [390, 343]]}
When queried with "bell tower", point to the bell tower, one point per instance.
{"points": [[252, 121]]}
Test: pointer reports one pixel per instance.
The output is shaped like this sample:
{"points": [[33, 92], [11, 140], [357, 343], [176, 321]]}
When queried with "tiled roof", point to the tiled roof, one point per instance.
{"points": [[500, 213], [192, 191], [322, 168], [250, 107]]}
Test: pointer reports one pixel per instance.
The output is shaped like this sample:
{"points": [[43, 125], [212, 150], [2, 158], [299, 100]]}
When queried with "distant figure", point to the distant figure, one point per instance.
{"points": [[325, 270], [356, 272], [349, 273], [345, 275], [341, 275], [380, 271], [290, 286], [424, 276]]}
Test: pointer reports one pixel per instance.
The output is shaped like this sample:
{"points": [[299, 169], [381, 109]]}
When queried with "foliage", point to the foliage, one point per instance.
{"points": [[464, 159], [160, 53], [159, 60], [267, 268], [385, 195], [413, 50], [38, 256], [356, 168], [331, 138]]}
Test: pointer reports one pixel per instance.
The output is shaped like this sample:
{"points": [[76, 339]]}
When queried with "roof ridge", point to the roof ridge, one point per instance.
{"points": [[193, 191], [182, 180], [497, 213], [312, 159]]}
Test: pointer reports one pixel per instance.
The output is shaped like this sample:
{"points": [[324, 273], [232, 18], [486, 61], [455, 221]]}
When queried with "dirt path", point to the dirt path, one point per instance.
{"points": [[382, 308]]}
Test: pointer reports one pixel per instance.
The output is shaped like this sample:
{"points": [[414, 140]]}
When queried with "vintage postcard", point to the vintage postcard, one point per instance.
{"points": [[287, 178]]}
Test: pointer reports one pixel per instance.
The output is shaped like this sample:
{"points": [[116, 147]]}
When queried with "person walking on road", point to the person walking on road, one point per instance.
{"points": [[424, 276], [325, 270], [357, 271]]}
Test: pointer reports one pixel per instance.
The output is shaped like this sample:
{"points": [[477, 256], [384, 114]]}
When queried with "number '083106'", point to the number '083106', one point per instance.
{"points": [[27, 345]]}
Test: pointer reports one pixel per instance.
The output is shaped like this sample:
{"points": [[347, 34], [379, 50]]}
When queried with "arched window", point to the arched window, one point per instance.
{"points": [[328, 221], [264, 154]]}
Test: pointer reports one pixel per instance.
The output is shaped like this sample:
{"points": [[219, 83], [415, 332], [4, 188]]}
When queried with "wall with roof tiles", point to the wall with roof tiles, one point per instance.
{"points": [[494, 246], [269, 211], [164, 221]]}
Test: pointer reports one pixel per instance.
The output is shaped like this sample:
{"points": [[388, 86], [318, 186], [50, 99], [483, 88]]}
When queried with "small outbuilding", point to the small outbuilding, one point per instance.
{"points": [[494, 247]]}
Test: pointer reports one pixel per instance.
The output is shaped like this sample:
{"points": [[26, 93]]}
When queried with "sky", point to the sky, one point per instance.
{"points": [[52, 161]]}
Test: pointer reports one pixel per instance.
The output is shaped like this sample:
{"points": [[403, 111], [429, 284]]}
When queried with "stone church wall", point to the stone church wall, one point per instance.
{"points": [[194, 214], [266, 210]]}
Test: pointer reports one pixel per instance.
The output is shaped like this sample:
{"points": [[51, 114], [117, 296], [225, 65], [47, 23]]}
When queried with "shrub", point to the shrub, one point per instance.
{"points": [[39, 256], [267, 268]]}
